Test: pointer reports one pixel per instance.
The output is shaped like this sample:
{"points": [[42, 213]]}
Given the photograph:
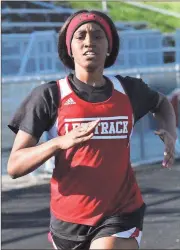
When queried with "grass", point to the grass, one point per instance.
{"points": [[120, 11], [170, 6]]}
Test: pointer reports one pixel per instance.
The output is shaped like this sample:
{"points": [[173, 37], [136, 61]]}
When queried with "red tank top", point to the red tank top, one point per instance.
{"points": [[94, 179]]}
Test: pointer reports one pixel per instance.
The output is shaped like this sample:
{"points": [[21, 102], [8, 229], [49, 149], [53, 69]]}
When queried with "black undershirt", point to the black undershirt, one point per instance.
{"points": [[90, 93], [38, 111]]}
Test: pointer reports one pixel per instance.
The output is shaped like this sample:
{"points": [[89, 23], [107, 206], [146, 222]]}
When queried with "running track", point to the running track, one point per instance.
{"points": [[25, 212]]}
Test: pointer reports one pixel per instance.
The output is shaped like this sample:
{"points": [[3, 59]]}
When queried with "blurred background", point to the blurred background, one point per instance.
{"points": [[150, 49]]}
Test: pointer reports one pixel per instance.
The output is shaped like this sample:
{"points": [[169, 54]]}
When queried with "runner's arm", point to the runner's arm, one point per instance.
{"points": [[165, 115], [26, 156]]}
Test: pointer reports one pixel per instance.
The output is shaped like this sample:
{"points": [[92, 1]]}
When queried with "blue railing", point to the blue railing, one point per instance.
{"points": [[36, 53], [177, 38]]}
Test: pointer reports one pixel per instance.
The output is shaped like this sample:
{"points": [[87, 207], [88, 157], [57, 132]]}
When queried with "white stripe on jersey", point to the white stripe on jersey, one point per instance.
{"points": [[110, 137], [95, 118], [64, 88]]}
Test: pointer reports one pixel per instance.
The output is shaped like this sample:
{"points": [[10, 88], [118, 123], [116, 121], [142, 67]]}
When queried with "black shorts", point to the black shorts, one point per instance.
{"points": [[65, 235]]}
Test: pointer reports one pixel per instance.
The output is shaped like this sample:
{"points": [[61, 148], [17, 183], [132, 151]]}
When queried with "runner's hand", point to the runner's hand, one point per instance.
{"points": [[169, 152], [78, 135]]}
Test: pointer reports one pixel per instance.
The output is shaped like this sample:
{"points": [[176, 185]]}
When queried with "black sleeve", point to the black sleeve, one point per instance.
{"points": [[143, 99], [38, 111]]}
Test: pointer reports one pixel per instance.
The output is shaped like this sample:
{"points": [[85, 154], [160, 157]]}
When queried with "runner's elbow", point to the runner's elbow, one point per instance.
{"points": [[12, 169], [12, 173]]}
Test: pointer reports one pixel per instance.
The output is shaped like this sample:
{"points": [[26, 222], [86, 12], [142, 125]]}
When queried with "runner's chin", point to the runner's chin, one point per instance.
{"points": [[92, 63]]}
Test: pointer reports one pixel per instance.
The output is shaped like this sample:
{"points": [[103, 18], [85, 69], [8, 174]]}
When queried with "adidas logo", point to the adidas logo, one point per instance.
{"points": [[69, 102]]}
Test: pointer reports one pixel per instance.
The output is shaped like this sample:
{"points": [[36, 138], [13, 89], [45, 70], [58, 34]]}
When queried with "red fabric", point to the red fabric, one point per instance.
{"points": [[135, 234], [86, 17], [94, 179]]}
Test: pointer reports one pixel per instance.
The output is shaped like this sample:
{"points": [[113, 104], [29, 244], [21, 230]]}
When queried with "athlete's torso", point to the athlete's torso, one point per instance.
{"points": [[94, 179]]}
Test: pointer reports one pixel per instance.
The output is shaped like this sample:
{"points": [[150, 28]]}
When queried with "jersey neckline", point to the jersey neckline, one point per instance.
{"points": [[87, 102]]}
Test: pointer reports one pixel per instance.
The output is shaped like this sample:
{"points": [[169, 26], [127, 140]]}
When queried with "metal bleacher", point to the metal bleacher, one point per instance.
{"points": [[140, 48], [28, 16], [36, 53], [30, 33]]}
